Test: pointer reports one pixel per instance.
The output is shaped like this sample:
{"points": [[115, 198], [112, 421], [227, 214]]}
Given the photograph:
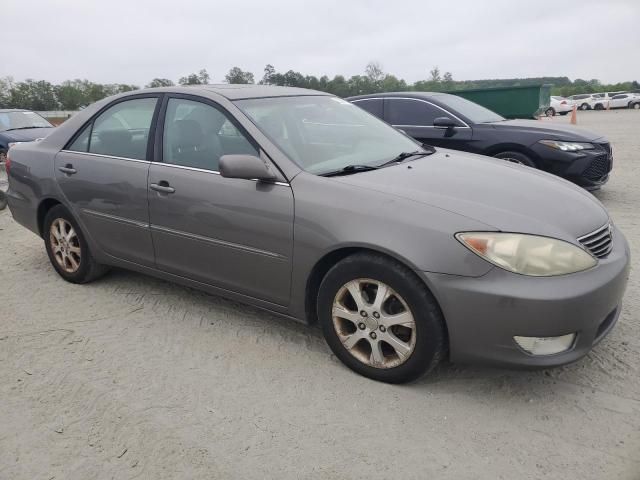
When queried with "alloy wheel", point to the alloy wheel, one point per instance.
{"points": [[65, 245], [374, 323]]}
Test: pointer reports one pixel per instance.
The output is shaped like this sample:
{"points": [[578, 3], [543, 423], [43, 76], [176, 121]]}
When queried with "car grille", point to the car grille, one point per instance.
{"points": [[600, 242], [601, 165]]}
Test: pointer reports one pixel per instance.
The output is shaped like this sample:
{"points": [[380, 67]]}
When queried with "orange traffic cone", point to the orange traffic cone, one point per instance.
{"points": [[574, 115]]}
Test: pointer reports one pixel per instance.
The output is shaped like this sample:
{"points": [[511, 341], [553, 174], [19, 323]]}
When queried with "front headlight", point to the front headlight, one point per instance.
{"points": [[567, 146], [528, 254]]}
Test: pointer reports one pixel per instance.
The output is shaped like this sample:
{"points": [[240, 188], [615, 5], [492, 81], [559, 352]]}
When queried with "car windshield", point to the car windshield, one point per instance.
{"points": [[474, 112], [21, 120], [324, 134]]}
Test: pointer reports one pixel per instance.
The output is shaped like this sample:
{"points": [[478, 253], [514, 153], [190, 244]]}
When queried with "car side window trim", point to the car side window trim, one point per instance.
{"points": [[465, 124], [162, 119], [160, 125], [90, 122]]}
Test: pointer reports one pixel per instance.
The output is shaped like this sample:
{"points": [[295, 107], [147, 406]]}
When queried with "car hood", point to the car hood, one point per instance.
{"points": [[27, 135], [502, 195], [552, 132]]}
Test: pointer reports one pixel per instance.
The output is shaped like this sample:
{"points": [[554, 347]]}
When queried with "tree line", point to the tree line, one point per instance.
{"points": [[42, 95]]}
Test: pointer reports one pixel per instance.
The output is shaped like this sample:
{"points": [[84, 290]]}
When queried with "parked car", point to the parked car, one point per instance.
{"points": [[558, 105], [302, 204], [452, 122], [625, 100], [584, 101], [20, 126]]}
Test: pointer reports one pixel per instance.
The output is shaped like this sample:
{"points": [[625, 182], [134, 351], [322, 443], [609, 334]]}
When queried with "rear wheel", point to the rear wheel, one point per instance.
{"points": [[599, 106], [584, 106], [516, 157], [67, 248], [550, 112], [380, 320], [635, 106]]}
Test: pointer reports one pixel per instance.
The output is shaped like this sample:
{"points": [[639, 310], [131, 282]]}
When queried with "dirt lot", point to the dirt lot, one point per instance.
{"points": [[131, 377]]}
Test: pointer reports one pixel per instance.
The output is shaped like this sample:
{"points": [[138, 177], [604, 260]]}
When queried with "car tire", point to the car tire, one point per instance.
{"points": [[416, 344], [584, 106], [598, 106], [67, 247], [516, 157], [550, 112], [3, 155], [634, 105]]}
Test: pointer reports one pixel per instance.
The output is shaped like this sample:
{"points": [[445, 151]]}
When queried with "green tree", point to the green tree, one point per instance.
{"points": [[435, 74], [238, 76], [33, 95], [269, 73], [160, 82], [200, 78], [71, 95], [375, 73]]}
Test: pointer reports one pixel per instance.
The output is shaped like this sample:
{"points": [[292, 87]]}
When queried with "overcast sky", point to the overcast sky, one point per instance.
{"points": [[133, 41]]}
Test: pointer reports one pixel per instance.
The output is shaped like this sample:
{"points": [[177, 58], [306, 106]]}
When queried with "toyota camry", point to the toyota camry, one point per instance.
{"points": [[305, 205]]}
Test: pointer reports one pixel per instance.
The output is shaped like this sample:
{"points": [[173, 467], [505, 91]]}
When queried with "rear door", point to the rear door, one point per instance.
{"points": [[415, 117], [231, 233], [103, 175], [619, 101]]}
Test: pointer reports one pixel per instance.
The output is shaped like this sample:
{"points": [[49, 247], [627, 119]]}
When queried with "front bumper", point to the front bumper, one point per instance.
{"points": [[483, 314], [588, 168]]}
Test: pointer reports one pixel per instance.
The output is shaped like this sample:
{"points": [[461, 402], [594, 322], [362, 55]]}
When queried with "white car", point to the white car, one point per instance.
{"points": [[602, 101], [625, 100], [584, 101], [558, 105]]}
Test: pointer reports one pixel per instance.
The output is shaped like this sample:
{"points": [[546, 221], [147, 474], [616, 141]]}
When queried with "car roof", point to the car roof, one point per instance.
{"points": [[237, 92], [402, 94]]}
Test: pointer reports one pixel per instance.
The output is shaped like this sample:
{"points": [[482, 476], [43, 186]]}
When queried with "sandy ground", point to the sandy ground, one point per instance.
{"points": [[131, 377]]}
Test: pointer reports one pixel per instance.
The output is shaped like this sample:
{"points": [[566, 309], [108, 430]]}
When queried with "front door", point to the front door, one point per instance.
{"points": [[231, 233], [103, 175], [415, 117]]}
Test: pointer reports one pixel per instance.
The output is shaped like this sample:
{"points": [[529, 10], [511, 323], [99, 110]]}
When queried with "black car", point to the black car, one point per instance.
{"points": [[453, 122], [20, 126]]}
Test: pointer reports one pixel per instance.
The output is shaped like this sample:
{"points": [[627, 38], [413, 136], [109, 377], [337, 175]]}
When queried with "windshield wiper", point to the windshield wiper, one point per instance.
{"points": [[349, 169], [404, 155], [20, 128]]}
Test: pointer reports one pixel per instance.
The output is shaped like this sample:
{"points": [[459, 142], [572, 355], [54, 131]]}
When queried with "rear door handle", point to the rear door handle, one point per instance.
{"points": [[68, 169], [162, 187]]}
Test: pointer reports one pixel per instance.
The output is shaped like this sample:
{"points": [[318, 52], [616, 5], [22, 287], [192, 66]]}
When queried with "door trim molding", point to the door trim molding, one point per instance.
{"points": [[217, 242], [115, 218]]}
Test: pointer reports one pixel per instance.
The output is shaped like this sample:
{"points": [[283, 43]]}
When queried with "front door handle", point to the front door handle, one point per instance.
{"points": [[68, 169], [162, 187]]}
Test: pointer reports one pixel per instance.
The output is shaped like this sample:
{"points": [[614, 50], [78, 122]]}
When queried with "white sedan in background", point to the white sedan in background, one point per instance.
{"points": [[625, 100], [558, 105]]}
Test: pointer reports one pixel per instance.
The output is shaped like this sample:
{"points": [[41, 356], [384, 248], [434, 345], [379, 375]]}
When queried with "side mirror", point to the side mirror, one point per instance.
{"points": [[444, 122], [248, 167]]}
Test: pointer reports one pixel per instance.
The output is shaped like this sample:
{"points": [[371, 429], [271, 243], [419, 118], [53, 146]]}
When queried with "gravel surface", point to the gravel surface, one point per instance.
{"points": [[132, 377]]}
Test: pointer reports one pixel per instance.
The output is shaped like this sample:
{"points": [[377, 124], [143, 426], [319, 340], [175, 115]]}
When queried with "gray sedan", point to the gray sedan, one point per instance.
{"points": [[303, 204]]}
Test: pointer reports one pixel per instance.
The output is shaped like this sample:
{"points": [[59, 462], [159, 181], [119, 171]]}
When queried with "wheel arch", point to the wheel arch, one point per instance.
{"points": [[324, 263], [512, 147], [44, 206]]}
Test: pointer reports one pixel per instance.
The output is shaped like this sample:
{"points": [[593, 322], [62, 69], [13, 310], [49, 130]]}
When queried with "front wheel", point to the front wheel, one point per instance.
{"points": [[516, 157], [380, 320], [584, 106], [550, 112], [635, 106], [67, 248]]}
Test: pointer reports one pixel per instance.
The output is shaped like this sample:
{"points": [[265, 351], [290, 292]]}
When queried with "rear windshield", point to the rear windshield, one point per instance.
{"points": [[21, 121]]}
